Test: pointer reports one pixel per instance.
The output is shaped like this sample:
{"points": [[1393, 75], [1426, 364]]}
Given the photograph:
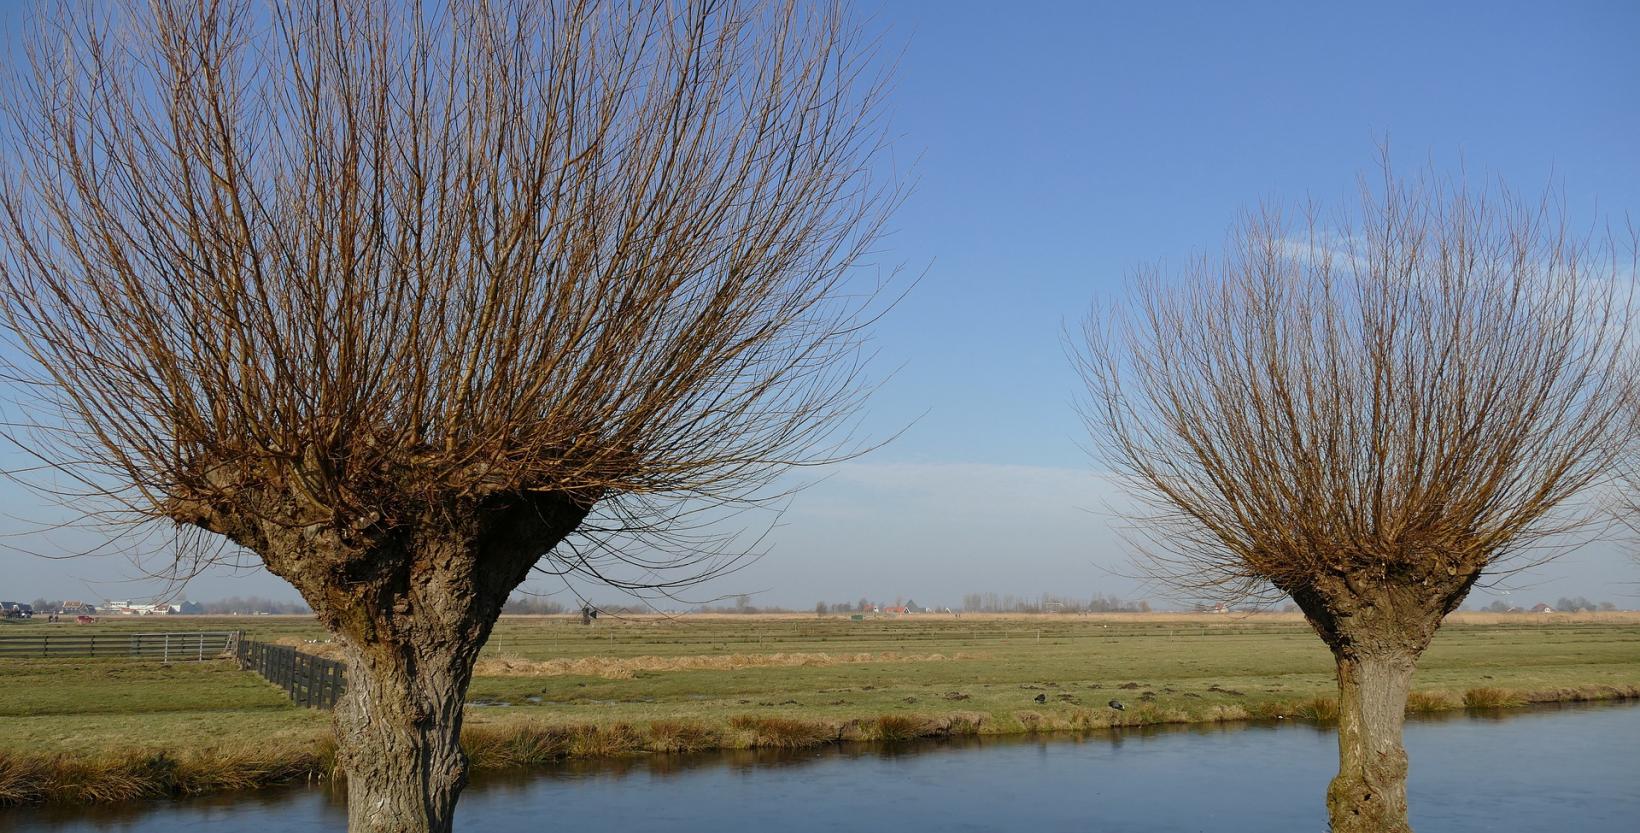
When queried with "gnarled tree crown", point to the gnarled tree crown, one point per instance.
{"points": [[350, 266], [1397, 401]]}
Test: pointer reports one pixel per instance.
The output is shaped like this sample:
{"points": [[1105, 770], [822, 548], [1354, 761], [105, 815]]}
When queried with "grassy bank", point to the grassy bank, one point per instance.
{"points": [[84, 730]]}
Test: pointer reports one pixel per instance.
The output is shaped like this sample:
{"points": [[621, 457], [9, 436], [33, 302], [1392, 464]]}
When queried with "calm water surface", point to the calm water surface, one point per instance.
{"points": [[1561, 769]]}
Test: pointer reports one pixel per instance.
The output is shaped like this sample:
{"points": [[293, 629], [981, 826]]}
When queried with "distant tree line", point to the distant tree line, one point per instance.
{"points": [[1562, 605], [861, 606], [530, 606], [1049, 603], [247, 605], [740, 604]]}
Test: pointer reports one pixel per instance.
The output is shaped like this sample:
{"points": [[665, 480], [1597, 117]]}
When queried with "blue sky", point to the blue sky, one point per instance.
{"points": [[1056, 146]]}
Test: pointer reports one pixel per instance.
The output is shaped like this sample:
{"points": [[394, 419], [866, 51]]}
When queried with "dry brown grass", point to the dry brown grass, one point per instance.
{"points": [[1424, 702], [522, 745], [965, 723], [898, 727], [682, 736], [1580, 694], [533, 743], [1491, 698], [94, 779], [624, 668], [760, 731], [1271, 710], [1615, 617], [1320, 709], [1032, 721]]}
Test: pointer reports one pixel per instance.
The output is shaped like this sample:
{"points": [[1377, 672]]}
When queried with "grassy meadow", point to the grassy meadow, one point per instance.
{"points": [[549, 688]]}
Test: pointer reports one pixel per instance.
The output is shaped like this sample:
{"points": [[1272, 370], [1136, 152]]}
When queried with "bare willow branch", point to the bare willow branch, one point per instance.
{"points": [[1367, 420], [384, 261], [399, 296], [1417, 392]]}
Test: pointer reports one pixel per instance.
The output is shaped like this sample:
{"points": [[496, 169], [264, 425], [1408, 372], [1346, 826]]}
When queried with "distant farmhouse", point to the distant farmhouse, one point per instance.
{"points": [[127, 608], [1540, 607], [897, 609]]}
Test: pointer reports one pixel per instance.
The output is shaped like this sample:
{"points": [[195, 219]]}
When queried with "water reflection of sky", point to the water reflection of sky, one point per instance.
{"points": [[1557, 768]]}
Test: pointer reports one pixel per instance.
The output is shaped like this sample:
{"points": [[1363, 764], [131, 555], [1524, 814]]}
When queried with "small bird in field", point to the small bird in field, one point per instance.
{"points": [[1117, 705], [1042, 698]]}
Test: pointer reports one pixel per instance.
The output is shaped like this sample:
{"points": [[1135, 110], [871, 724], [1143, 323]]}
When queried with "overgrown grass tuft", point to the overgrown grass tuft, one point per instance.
{"points": [[1424, 702], [1320, 709], [783, 732], [1270, 709], [1581, 694], [521, 745], [966, 723], [682, 736], [1491, 698], [103, 778], [1031, 721], [897, 727]]}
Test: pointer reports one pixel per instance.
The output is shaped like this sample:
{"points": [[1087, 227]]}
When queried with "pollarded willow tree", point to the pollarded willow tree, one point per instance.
{"points": [[398, 295], [1368, 420]]}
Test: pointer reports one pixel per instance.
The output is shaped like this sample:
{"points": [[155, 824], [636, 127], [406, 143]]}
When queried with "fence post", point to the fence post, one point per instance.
{"points": [[167, 650], [309, 680]]}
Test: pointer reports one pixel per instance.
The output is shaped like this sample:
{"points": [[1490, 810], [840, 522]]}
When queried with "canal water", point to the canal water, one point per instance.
{"points": [[1571, 768]]}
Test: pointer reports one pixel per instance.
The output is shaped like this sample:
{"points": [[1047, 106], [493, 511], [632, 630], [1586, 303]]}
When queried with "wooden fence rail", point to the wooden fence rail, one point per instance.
{"points": [[310, 681], [175, 646]]}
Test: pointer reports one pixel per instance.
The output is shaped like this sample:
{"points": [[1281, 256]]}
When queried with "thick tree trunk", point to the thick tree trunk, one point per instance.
{"points": [[399, 738], [1376, 629], [412, 605], [1369, 795]]}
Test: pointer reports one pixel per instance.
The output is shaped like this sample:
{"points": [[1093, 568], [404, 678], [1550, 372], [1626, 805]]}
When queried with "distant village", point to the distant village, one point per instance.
{"points": [[76, 609]]}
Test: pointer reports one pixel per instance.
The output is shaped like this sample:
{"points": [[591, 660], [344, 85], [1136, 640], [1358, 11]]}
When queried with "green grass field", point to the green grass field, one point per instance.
{"points": [[745, 681], [994, 666]]}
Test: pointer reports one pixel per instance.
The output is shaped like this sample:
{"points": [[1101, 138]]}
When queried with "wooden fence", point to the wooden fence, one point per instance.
{"points": [[310, 681], [175, 646]]}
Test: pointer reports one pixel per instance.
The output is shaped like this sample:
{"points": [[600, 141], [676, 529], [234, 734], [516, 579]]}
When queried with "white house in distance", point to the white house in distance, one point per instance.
{"points": [[127, 608]]}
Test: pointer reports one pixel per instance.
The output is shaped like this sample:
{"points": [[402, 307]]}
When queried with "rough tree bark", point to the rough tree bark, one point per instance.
{"points": [[399, 732], [413, 606], [411, 638], [1376, 630], [1370, 791]]}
